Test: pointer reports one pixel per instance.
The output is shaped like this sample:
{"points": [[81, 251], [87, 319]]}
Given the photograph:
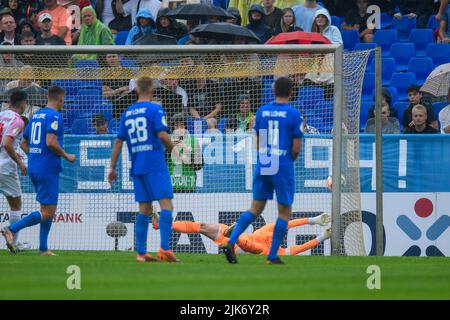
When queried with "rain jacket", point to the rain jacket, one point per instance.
{"points": [[138, 31]]}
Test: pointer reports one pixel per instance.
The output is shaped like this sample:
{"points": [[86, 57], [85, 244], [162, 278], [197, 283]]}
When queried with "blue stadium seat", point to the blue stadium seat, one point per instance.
{"points": [[368, 86], [194, 124], [388, 67], [385, 38], [350, 38], [128, 63], [367, 46], [113, 125], [404, 26], [87, 63], [421, 38], [432, 23], [267, 89], [325, 111], [438, 106], [422, 67], [121, 37], [402, 53], [439, 52], [83, 126], [386, 21], [401, 106], [222, 124], [394, 94], [336, 21], [71, 86], [401, 81]]}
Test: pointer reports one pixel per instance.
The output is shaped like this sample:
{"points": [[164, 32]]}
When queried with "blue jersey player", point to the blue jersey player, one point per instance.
{"points": [[144, 128], [42, 141], [277, 127]]}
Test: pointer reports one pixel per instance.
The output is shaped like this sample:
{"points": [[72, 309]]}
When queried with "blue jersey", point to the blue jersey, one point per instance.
{"points": [[276, 126], [139, 127], [41, 159]]}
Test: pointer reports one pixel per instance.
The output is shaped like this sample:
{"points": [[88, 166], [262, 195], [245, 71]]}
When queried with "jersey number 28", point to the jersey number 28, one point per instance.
{"points": [[137, 129]]}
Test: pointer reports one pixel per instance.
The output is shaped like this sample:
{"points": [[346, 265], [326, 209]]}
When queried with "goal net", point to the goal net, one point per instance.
{"points": [[210, 98]]}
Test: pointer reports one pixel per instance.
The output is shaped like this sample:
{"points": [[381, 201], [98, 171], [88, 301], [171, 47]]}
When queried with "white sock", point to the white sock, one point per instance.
{"points": [[14, 216]]}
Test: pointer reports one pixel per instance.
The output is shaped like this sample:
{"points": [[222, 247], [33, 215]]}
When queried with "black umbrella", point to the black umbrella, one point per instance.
{"points": [[155, 39], [198, 11], [223, 30], [37, 96]]}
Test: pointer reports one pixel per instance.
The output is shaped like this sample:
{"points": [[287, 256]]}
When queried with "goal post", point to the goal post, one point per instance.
{"points": [[212, 93]]}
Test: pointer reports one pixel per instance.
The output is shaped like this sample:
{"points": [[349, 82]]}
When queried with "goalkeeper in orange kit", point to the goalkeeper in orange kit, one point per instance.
{"points": [[257, 242]]}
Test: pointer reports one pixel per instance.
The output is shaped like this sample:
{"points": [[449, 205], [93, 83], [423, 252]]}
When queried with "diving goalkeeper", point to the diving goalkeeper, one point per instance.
{"points": [[257, 242]]}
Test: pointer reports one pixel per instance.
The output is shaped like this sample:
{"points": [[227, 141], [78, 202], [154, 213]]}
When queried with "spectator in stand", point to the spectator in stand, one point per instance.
{"points": [[169, 26], [442, 9], [134, 6], [100, 124], [93, 32], [444, 116], [386, 98], [107, 13], [144, 24], [8, 60], [27, 39], [212, 126], [415, 97], [62, 20], [27, 26], [15, 10], [244, 119], [322, 24], [205, 97], [237, 20], [338, 7], [444, 26], [356, 19], [419, 9], [388, 124], [419, 122], [25, 9], [287, 22], [47, 38], [8, 27], [272, 15], [306, 14], [114, 87], [255, 15]]}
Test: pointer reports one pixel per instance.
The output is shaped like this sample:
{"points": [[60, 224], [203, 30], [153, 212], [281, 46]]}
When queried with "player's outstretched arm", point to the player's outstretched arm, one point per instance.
{"points": [[117, 149], [296, 146], [8, 145], [53, 144]]}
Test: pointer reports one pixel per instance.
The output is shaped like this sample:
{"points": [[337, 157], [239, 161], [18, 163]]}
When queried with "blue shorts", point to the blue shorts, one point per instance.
{"points": [[152, 186], [283, 184], [47, 188]]}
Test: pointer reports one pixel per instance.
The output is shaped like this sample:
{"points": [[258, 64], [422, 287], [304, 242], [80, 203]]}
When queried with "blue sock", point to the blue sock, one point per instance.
{"points": [[43, 235], [244, 221], [279, 232], [165, 228], [30, 220], [141, 226]]}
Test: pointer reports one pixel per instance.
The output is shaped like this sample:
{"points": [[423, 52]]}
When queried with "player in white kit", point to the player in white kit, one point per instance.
{"points": [[11, 130]]}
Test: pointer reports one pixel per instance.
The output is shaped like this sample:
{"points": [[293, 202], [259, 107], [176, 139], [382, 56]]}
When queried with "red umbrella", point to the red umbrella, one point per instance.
{"points": [[298, 37]]}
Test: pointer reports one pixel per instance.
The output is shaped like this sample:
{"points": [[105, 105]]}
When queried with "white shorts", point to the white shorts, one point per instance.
{"points": [[10, 185]]}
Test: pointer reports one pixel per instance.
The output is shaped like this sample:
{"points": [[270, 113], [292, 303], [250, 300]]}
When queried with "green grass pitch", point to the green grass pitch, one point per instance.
{"points": [[116, 275]]}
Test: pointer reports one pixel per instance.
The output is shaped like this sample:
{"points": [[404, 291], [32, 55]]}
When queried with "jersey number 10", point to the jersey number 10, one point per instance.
{"points": [[137, 129], [36, 129]]}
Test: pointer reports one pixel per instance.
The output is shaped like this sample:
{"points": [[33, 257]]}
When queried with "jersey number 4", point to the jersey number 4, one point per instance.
{"points": [[137, 129]]}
